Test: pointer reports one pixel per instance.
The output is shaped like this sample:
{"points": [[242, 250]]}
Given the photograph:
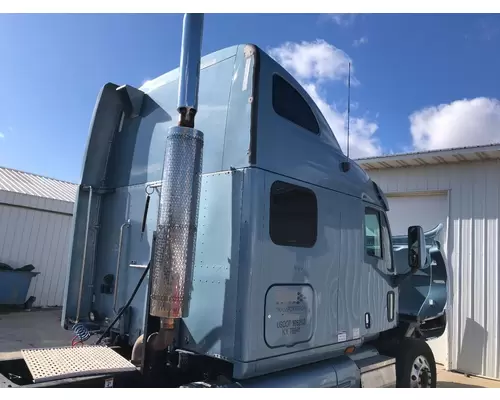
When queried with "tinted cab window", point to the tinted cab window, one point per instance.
{"points": [[289, 104], [293, 215]]}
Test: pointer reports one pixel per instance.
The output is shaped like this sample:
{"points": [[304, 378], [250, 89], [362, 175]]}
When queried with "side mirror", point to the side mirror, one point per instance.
{"points": [[417, 253]]}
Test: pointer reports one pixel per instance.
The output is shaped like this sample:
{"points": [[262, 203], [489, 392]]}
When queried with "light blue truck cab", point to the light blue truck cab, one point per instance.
{"points": [[297, 281]]}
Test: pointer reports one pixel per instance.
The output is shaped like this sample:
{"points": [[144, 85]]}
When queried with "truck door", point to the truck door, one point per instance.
{"points": [[380, 298]]}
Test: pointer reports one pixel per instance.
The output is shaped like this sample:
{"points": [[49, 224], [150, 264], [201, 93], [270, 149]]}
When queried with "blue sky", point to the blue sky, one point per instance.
{"points": [[421, 81]]}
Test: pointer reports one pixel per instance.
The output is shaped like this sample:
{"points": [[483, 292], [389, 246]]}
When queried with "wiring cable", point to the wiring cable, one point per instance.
{"points": [[146, 270]]}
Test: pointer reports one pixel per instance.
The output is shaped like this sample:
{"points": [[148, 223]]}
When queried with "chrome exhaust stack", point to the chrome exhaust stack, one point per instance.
{"points": [[189, 70], [177, 222]]}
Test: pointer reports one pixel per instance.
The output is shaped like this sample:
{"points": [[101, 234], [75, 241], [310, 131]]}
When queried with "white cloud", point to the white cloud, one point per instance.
{"points": [[360, 41], [489, 29], [317, 60], [2, 135], [343, 19], [462, 123], [315, 63]]}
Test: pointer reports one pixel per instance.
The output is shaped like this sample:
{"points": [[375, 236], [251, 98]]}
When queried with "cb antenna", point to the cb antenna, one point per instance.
{"points": [[348, 106], [346, 165]]}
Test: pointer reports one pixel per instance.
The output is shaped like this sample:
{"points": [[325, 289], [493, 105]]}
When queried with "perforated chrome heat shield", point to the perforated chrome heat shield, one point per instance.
{"points": [[177, 223]]}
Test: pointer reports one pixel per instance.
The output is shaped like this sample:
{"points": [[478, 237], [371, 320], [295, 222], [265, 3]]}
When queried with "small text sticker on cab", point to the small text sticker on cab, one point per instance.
{"points": [[108, 383], [341, 337]]}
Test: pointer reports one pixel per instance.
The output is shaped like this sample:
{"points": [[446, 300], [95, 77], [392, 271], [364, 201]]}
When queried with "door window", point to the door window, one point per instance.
{"points": [[373, 236]]}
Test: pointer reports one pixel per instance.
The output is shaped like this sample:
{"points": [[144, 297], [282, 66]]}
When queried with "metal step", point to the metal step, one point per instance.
{"points": [[69, 362]]}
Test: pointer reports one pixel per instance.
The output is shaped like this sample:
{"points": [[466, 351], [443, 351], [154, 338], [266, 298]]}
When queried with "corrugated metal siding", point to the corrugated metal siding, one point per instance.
{"points": [[472, 252], [35, 221], [36, 185], [41, 238], [39, 203]]}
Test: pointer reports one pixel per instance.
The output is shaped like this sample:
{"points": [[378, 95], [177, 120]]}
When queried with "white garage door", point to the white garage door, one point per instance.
{"points": [[427, 211]]}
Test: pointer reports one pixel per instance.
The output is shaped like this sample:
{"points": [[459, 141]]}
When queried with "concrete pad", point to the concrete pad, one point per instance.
{"points": [[449, 379], [32, 329]]}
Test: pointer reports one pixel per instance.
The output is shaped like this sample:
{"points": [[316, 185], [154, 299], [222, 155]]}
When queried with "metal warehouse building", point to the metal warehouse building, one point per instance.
{"points": [[461, 189], [35, 225]]}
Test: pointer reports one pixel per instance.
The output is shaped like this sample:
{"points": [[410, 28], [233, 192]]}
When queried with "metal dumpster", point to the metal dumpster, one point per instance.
{"points": [[14, 286]]}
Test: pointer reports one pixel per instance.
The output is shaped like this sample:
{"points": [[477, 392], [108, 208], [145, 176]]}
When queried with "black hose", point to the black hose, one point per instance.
{"points": [[125, 306], [145, 215]]}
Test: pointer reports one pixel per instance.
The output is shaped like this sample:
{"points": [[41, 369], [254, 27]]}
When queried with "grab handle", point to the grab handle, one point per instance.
{"points": [[118, 259]]}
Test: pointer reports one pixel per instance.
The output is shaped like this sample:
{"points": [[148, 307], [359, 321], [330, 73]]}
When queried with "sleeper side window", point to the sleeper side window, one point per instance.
{"points": [[289, 104], [293, 216], [373, 234]]}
